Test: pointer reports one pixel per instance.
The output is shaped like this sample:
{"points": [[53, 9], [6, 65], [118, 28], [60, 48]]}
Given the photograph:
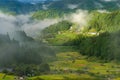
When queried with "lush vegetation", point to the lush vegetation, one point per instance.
{"points": [[24, 57], [63, 5], [42, 14], [100, 38], [105, 43], [80, 55], [73, 66], [85, 5], [57, 28], [99, 46], [107, 21]]}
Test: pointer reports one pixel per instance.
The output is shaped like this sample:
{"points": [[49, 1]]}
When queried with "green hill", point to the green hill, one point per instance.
{"points": [[100, 38], [108, 21], [43, 14], [104, 44], [85, 4]]}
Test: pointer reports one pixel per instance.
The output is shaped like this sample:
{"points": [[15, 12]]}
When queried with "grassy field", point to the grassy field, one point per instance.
{"points": [[6, 77], [73, 66], [62, 38]]}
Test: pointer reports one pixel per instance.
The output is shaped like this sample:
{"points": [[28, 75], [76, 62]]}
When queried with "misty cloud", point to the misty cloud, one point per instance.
{"points": [[6, 23], [34, 28], [72, 6], [10, 24], [99, 5], [45, 7], [80, 17], [103, 11], [108, 0]]}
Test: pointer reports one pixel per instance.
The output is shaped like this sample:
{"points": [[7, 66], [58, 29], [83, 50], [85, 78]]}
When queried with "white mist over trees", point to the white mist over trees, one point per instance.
{"points": [[17, 46], [10, 23]]}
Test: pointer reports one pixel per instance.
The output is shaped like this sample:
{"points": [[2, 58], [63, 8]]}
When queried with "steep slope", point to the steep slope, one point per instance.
{"points": [[23, 51], [19, 7], [15, 6], [65, 5], [100, 38], [43, 14], [86, 4], [22, 7], [107, 21]]}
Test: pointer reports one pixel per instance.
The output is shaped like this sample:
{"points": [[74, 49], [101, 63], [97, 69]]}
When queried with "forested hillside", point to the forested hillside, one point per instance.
{"points": [[20, 7], [107, 21], [23, 51], [86, 4], [59, 39], [105, 44], [100, 38], [43, 14]]}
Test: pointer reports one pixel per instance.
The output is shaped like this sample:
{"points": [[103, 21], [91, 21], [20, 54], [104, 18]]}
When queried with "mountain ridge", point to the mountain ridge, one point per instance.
{"points": [[70, 5]]}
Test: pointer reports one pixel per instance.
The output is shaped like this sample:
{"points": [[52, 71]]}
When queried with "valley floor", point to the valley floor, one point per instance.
{"points": [[73, 66]]}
